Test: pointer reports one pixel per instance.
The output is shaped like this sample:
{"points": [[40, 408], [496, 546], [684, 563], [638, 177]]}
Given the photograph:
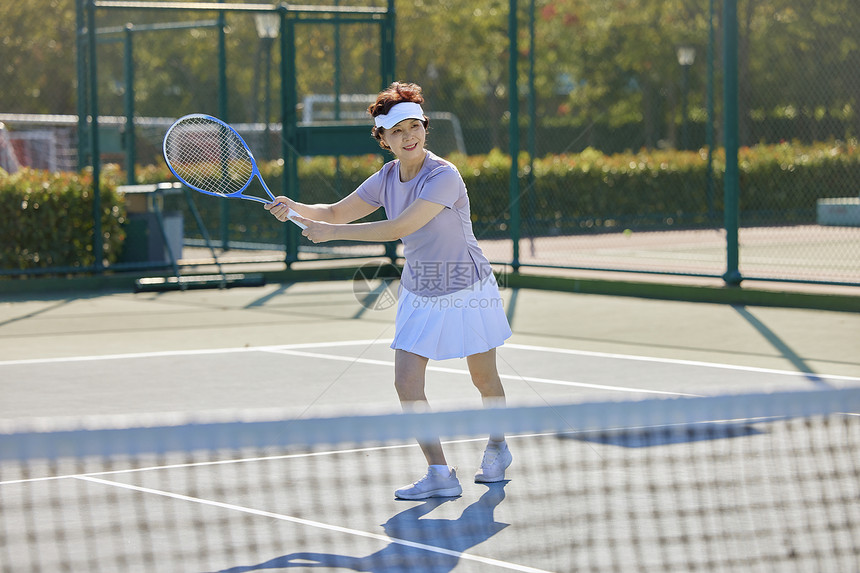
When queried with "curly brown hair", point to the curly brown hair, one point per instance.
{"points": [[396, 93]]}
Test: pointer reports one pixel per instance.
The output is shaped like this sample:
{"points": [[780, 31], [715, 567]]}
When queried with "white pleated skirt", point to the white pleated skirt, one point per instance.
{"points": [[456, 325]]}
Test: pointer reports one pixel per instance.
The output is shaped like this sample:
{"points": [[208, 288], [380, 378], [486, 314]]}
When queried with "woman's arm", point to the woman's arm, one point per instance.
{"points": [[349, 209], [410, 220]]}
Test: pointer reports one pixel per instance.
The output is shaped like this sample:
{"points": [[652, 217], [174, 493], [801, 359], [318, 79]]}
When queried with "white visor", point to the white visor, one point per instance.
{"points": [[397, 113]]}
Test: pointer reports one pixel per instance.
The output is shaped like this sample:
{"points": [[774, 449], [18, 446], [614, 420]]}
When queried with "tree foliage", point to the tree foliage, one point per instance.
{"points": [[37, 56], [611, 62]]}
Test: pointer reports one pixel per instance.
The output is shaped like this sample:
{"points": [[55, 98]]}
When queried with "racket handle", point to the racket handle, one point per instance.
{"points": [[292, 214]]}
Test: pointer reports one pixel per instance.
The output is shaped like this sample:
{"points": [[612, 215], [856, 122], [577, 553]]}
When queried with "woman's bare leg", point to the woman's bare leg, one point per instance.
{"points": [[485, 377], [409, 376]]}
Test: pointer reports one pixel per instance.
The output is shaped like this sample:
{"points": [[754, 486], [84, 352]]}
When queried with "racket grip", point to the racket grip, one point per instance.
{"points": [[292, 214]]}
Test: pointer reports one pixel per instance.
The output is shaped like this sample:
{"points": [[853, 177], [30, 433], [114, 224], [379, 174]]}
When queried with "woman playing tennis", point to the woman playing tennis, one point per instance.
{"points": [[449, 304]]}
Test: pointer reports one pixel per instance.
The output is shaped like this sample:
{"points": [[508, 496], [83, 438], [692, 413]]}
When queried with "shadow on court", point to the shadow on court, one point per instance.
{"points": [[667, 435], [417, 542], [782, 347]]}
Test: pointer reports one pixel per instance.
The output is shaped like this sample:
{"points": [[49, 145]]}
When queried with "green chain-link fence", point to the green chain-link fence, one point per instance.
{"points": [[621, 112]]}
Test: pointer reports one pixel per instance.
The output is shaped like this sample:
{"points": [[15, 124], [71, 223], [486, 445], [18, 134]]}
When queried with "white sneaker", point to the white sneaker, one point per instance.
{"points": [[433, 484], [494, 464]]}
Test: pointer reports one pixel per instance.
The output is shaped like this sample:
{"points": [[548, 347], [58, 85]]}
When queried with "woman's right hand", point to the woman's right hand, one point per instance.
{"points": [[280, 207]]}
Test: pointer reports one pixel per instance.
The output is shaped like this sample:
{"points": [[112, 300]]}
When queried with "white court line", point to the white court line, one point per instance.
{"points": [[318, 525], [677, 362], [262, 459], [343, 343], [461, 371], [223, 462], [201, 352], [259, 459]]}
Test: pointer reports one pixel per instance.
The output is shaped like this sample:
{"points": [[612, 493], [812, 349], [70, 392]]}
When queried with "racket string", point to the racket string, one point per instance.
{"points": [[209, 156]]}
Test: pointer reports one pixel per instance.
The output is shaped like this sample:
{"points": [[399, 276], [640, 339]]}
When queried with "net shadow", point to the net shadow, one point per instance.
{"points": [[665, 436]]}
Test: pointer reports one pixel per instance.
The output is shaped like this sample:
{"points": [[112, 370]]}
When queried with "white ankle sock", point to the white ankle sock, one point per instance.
{"points": [[441, 470]]}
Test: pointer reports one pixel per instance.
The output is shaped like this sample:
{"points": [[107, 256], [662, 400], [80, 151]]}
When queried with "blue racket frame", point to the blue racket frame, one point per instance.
{"points": [[255, 171]]}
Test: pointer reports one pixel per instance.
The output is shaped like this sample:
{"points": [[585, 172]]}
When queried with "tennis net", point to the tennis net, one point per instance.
{"points": [[760, 482]]}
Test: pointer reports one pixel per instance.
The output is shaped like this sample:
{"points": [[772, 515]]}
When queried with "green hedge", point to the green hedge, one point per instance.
{"points": [[48, 219], [588, 192]]}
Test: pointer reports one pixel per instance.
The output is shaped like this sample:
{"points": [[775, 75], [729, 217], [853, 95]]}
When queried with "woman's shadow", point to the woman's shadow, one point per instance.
{"points": [[432, 545]]}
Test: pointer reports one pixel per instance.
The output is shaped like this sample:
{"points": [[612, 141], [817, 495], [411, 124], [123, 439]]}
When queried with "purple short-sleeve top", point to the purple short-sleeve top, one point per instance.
{"points": [[443, 256]]}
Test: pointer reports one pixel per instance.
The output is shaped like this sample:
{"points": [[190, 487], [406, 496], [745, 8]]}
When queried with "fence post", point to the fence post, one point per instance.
{"points": [[289, 119], [388, 53], [130, 149], [514, 129], [389, 62], [709, 128], [532, 133], [222, 114], [731, 186], [81, 72], [98, 242]]}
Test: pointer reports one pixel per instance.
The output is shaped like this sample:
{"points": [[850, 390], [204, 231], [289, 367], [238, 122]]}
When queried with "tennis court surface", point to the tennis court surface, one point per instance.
{"points": [[258, 430]]}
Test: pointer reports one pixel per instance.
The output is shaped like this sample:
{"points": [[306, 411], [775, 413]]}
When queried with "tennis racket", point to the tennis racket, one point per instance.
{"points": [[209, 156]]}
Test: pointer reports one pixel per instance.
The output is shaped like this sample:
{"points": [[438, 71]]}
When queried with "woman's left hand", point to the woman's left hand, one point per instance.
{"points": [[316, 231]]}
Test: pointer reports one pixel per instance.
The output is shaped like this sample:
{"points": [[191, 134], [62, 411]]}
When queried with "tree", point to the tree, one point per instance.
{"points": [[458, 52], [37, 56], [798, 61], [608, 63]]}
